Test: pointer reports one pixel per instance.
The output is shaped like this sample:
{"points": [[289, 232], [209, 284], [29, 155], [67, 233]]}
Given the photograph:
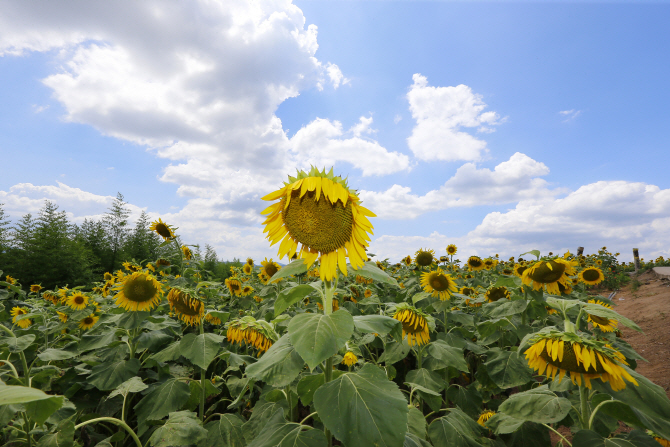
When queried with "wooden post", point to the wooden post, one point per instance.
{"points": [[636, 258], [580, 251]]}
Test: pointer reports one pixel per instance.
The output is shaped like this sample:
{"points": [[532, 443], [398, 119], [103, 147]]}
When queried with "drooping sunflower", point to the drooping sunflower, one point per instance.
{"points": [[591, 276], [234, 286], [162, 229], [414, 324], [438, 284], [138, 291], [51, 296], [475, 264], [188, 254], [108, 276], [256, 333], [62, 317], [424, 258], [602, 323], [318, 211], [381, 266], [77, 301], [210, 318], [16, 311], [35, 288], [162, 263], [361, 280], [485, 416], [131, 267], [350, 359], [468, 291], [407, 260], [247, 269], [189, 309], [554, 352], [518, 269], [452, 249], [88, 322], [269, 268], [494, 294], [548, 274]]}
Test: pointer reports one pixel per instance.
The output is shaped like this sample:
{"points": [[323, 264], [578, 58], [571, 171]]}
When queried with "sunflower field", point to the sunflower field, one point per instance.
{"points": [[331, 348]]}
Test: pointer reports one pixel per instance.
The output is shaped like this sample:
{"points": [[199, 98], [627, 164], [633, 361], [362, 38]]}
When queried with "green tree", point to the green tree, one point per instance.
{"points": [[143, 244], [115, 222], [92, 235], [4, 235]]}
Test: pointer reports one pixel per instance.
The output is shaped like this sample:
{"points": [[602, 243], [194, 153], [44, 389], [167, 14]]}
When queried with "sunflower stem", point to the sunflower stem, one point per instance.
{"points": [[584, 398], [595, 410], [579, 318], [202, 379], [113, 421]]}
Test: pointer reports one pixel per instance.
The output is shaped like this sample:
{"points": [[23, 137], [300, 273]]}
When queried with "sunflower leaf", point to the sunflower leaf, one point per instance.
{"points": [[602, 311], [371, 271], [279, 366], [226, 431], [379, 324], [297, 267], [108, 376], [200, 349], [18, 344], [290, 296], [317, 337], [507, 369], [589, 438], [455, 429], [182, 428], [537, 405]]}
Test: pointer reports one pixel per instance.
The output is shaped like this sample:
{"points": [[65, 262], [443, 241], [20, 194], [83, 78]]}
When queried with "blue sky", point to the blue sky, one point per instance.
{"points": [[498, 126]]}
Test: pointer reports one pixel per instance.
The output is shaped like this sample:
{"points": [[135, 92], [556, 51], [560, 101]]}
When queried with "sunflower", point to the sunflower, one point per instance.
{"points": [[452, 249], [472, 303], [658, 438], [585, 359], [494, 294], [108, 276], [247, 269], [162, 263], [320, 212], [489, 263], [424, 258], [263, 278], [162, 229], [414, 324], [438, 284], [62, 317], [247, 290], [599, 262], [269, 268], [212, 319], [349, 359], [234, 286], [10, 280], [188, 254], [591, 276], [407, 260], [381, 266], [518, 269], [16, 311], [35, 288], [139, 291], [367, 293], [475, 263], [548, 274], [88, 322], [256, 333], [190, 310], [362, 280], [485, 416], [51, 296], [602, 323], [258, 298], [77, 301], [468, 291]]}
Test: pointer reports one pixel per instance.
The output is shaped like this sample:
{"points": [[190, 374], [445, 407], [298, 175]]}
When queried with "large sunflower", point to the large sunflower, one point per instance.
{"points": [[16, 311], [164, 230], [77, 301], [414, 324], [494, 294], [585, 359], [190, 310], [549, 274], [319, 212], [591, 276], [438, 284], [602, 323], [256, 333], [475, 263], [139, 291]]}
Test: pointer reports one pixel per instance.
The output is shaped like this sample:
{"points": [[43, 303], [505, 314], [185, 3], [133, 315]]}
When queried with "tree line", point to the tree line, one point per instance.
{"points": [[49, 250]]}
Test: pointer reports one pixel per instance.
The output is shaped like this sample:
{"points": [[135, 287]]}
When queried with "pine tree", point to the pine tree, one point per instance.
{"points": [[4, 236], [115, 222], [210, 258], [143, 244], [92, 235]]}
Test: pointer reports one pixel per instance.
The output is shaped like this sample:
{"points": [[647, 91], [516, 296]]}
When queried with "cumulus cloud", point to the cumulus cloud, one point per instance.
{"points": [[617, 214], [440, 114], [510, 181]]}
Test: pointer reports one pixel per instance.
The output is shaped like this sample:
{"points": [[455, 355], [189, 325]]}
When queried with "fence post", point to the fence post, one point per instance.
{"points": [[636, 258], [580, 251]]}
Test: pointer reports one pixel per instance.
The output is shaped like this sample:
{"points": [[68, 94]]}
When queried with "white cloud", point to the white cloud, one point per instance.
{"points": [[335, 75], [397, 119], [510, 181], [570, 114], [39, 109], [440, 114]]}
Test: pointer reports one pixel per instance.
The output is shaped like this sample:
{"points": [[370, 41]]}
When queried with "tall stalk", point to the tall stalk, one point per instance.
{"points": [[203, 373], [329, 291]]}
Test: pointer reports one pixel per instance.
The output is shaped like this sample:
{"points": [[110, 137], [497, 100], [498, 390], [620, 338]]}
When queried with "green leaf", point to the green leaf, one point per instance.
{"points": [[394, 352], [416, 422], [530, 433], [456, 429], [260, 416], [537, 405], [12, 394], [317, 337], [153, 340], [108, 376], [588, 438], [363, 409], [279, 366], [412, 440], [182, 428], [223, 316], [162, 400], [200, 349], [279, 433], [428, 379], [89, 342], [468, 398], [290, 296], [226, 432], [535, 253], [55, 355], [39, 411], [502, 423], [420, 296], [132, 385], [309, 384], [602, 311], [507, 369], [371, 271], [61, 435], [171, 353], [445, 356], [507, 281], [18, 344], [132, 320], [379, 324], [297, 267], [504, 308]]}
